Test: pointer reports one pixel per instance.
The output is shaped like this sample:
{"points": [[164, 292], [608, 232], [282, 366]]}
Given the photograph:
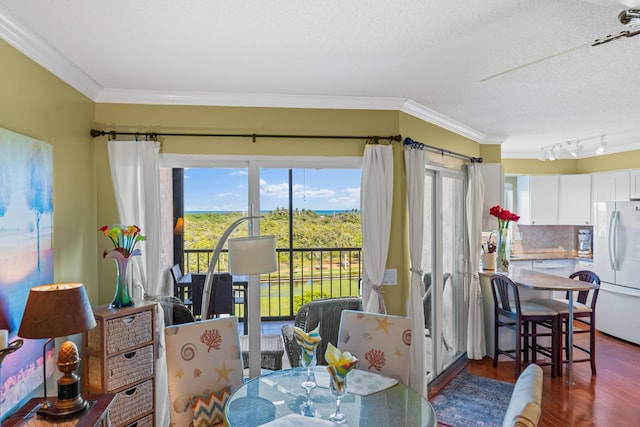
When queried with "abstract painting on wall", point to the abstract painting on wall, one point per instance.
{"points": [[26, 256]]}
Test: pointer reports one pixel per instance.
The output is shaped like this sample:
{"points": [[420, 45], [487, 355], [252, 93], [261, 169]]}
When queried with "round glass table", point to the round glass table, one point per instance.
{"points": [[278, 394]]}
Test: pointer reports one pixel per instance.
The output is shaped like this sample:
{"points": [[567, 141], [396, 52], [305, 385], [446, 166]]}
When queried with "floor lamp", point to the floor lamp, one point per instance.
{"points": [[252, 256], [208, 281]]}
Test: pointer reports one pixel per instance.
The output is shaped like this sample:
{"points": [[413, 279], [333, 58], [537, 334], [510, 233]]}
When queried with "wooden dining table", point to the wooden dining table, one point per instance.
{"points": [[276, 395], [539, 281]]}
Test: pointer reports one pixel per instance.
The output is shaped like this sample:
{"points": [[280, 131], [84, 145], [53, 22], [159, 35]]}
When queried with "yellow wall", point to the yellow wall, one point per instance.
{"points": [[538, 167], [609, 162], [35, 103], [491, 153]]}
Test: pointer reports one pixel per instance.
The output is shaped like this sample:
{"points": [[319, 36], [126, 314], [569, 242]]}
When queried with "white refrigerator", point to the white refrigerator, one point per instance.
{"points": [[616, 260]]}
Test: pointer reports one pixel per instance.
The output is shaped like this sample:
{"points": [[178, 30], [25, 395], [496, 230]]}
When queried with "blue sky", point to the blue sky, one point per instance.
{"points": [[224, 189]]}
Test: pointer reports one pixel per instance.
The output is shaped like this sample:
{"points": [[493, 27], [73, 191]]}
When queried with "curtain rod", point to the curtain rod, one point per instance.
{"points": [[253, 136], [419, 146]]}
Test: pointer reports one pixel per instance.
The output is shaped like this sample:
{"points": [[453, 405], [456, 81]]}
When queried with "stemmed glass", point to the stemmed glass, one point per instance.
{"points": [[308, 344], [308, 360], [338, 387]]}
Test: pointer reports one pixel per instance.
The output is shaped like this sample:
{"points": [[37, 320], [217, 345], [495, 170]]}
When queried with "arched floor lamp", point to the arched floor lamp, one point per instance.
{"points": [[248, 256]]}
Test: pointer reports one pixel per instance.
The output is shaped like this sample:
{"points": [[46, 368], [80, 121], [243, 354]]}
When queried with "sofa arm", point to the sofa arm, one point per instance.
{"points": [[525, 405]]}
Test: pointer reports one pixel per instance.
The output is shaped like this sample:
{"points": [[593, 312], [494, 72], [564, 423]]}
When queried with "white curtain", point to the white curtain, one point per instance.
{"points": [[135, 172], [375, 200], [414, 161], [476, 345]]}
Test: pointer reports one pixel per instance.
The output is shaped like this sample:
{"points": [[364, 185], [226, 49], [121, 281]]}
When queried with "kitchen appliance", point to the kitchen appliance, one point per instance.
{"points": [[584, 241], [616, 260]]}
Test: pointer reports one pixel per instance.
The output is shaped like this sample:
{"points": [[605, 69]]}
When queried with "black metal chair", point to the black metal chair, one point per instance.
{"points": [[327, 312], [181, 285], [520, 316], [584, 312]]}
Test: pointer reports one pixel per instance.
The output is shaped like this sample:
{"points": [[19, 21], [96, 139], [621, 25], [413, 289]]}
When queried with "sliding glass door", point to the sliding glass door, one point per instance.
{"points": [[444, 263]]}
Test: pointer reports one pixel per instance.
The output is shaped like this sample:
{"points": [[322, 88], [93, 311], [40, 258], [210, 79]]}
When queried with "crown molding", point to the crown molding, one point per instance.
{"points": [[234, 99], [35, 47], [428, 115]]}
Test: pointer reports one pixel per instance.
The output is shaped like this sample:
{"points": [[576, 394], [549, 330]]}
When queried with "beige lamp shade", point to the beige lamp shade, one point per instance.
{"points": [[56, 310], [252, 255]]}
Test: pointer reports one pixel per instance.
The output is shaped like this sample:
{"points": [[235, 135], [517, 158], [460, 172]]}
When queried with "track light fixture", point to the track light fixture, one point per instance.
{"points": [[575, 151], [561, 150]]}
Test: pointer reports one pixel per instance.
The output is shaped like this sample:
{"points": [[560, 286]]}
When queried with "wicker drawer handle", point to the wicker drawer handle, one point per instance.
{"points": [[129, 319], [130, 355], [131, 391]]}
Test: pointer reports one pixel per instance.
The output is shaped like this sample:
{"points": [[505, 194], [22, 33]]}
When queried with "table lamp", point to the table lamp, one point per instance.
{"points": [[250, 256], [53, 311]]}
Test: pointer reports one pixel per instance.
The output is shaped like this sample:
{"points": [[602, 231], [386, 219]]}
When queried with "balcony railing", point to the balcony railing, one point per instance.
{"points": [[303, 275]]}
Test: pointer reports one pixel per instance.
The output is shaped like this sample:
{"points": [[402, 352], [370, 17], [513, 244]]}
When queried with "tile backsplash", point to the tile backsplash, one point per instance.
{"points": [[546, 238]]}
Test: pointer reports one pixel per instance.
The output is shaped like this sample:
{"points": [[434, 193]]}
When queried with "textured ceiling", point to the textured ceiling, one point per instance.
{"points": [[478, 67]]}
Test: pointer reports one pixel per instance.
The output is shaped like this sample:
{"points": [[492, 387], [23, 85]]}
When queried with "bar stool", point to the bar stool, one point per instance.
{"points": [[522, 315], [584, 312]]}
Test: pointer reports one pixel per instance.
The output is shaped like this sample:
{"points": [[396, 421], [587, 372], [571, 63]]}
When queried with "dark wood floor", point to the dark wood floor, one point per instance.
{"points": [[610, 398]]}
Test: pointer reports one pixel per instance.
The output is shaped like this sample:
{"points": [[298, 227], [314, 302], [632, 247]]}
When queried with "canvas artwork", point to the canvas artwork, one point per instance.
{"points": [[26, 256]]}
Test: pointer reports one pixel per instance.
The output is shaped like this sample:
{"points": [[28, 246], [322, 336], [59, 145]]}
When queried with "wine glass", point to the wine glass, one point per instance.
{"points": [[338, 387], [308, 360]]}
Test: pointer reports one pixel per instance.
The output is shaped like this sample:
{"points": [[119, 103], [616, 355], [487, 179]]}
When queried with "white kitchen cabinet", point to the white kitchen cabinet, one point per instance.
{"points": [[538, 199], [610, 186], [574, 201], [581, 264], [634, 184]]}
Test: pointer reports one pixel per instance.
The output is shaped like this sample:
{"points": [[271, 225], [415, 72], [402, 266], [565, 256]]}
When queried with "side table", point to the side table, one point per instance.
{"points": [[271, 351], [94, 416]]}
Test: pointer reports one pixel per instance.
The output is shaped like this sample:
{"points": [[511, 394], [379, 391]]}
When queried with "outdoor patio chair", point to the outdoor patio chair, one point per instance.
{"points": [[325, 311]]}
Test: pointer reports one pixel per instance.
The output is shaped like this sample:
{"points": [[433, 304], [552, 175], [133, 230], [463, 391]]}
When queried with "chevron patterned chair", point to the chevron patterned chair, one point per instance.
{"points": [[204, 367]]}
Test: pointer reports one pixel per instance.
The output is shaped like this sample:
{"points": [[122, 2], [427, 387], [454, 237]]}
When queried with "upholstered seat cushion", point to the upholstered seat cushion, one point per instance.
{"points": [[562, 305], [529, 308], [525, 405]]}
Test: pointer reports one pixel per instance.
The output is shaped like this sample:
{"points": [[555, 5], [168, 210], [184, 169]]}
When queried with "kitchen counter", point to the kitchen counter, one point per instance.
{"points": [[536, 256]]}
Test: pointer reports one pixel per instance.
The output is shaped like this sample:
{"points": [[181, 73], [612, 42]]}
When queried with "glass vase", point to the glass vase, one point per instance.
{"points": [[121, 297], [503, 251]]}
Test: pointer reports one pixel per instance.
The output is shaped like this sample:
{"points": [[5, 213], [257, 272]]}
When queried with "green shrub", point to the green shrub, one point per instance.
{"points": [[308, 296]]}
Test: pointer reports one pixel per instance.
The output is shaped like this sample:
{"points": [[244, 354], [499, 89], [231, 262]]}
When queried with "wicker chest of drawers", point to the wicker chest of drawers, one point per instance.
{"points": [[119, 355]]}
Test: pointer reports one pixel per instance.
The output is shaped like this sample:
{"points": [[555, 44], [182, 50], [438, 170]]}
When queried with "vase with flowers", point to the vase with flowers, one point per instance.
{"points": [[124, 239], [503, 249]]}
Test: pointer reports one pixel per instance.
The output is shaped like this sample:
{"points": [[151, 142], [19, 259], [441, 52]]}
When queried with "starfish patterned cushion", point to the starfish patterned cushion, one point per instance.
{"points": [[203, 360], [380, 342]]}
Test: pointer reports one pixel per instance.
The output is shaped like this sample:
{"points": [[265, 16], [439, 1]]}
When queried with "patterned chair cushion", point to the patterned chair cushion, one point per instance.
{"points": [[203, 358], [208, 408], [381, 342]]}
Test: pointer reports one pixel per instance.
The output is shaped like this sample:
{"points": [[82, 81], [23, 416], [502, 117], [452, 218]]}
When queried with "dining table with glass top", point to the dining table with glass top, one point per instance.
{"points": [[279, 395]]}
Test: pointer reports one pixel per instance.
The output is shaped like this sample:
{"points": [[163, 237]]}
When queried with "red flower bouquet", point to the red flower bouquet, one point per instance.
{"points": [[504, 218]]}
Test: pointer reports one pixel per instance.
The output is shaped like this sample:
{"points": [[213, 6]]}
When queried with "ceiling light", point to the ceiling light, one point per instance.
{"points": [[602, 147], [630, 18], [552, 154], [576, 151]]}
